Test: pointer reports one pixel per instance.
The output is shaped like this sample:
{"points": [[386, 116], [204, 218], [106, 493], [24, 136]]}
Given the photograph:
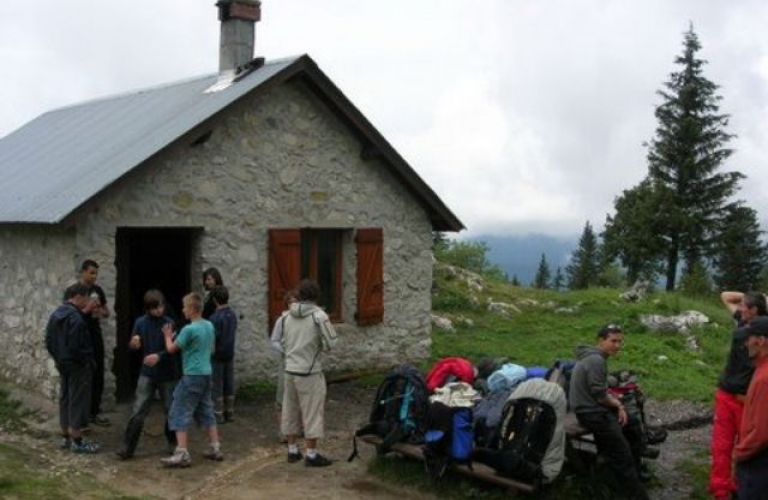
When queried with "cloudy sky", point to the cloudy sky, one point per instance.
{"points": [[523, 115]]}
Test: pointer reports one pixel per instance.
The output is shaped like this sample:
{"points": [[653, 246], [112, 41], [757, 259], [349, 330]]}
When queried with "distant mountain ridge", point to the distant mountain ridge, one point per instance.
{"points": [[519, 255]]}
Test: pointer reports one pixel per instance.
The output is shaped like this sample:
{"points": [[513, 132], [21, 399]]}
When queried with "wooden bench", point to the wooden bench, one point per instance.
{"points": [[478, 470]]}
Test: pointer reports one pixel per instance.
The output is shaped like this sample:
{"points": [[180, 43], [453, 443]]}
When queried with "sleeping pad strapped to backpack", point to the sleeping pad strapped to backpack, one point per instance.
{"points": [[398, 410]]}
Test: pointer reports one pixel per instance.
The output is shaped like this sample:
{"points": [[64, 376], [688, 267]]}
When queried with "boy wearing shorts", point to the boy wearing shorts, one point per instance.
{"points": [[192, 396]]}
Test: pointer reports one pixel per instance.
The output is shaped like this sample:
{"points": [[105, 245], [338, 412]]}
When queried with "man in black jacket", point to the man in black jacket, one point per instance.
{"points": [[69, 343]]}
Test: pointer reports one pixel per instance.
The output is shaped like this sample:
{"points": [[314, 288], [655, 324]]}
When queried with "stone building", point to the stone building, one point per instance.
{"points": [[264, 170]]}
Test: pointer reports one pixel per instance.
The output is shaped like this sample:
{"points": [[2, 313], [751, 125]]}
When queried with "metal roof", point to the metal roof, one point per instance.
{"points": [[58, 161]]}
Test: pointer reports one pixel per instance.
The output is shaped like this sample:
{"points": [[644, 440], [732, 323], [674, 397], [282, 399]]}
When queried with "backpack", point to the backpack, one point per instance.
{"points": [[449, 438], [623, 385], [398, 411], [527, 428]]}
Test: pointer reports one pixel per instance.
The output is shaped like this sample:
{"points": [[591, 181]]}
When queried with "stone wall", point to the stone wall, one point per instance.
{"points": [[38, 262], [279, 160]]}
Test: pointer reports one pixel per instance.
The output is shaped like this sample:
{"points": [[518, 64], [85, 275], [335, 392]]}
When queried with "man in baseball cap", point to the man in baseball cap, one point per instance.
{"points": [[751, 452]]}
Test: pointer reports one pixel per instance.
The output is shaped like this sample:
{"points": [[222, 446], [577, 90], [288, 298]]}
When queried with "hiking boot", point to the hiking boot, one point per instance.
{"points": [[179, 459], [84, 446], [215, 455], [65, 443], [652, 453], [317, 461], [294, 457], [124, 454], [100, 420]]}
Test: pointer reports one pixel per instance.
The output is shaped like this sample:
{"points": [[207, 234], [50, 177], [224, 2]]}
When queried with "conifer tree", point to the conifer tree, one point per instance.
{"points": [[543, 274], [583, 269], [515, 281], [632, 234], [740, 254], [683, 161], [559, 281]]}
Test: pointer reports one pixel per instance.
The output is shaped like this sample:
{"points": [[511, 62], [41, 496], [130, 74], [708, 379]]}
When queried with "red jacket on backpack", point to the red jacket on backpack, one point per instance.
{"points": [[458, 368]]}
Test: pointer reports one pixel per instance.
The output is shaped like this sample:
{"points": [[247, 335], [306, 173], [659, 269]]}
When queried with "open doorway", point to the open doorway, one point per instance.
{"points": [[147, 258]]}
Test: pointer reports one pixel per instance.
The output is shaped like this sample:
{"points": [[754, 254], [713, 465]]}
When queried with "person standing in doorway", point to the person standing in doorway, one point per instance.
{"points": [[307, 336], [731, 391], [224, 322], [158, 372], [211, 279], [69, 343], [95, 310]]}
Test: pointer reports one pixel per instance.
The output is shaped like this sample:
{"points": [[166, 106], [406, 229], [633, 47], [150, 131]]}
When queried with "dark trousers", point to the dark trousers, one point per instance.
{"points": [[74, 397], [97, 385], [613, 445], [752, 476], [145, 394]]}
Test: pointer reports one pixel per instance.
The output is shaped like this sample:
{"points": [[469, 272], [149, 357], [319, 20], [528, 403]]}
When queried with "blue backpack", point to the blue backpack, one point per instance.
{"points": [[449, 438]]}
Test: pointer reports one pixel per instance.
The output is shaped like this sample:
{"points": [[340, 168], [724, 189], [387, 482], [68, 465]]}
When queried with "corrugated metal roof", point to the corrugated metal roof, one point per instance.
{"points": [[61, 159]]}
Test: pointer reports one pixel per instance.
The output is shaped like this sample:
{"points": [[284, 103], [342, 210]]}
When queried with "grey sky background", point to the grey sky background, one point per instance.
{"points": [[524, 116]]}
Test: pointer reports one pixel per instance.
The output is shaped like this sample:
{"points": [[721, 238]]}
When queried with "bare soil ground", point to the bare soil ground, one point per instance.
{"points": [[255, 465]]}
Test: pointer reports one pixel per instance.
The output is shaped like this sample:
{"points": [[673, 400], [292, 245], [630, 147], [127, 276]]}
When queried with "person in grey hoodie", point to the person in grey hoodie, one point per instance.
{"points": [[307, 335], [601, 413]]}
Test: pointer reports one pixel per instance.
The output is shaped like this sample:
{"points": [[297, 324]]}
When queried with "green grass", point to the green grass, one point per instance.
{"points": [[548, 325], [25, 474]]}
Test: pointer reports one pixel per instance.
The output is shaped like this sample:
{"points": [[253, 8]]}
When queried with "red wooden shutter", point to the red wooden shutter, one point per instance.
{"points": [[370, 276], [284, 268]]}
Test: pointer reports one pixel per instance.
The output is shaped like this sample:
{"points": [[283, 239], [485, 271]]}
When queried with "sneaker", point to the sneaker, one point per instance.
{"points": [[215, 455], [100, 420], [178, 459], [85, 447], [317, 461], [294, 457]]}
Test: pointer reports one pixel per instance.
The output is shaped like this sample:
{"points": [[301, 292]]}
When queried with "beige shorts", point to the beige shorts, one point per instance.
{"points": [[304, 401]]}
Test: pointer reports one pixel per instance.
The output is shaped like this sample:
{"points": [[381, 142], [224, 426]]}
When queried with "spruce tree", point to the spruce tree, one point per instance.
{"points": [[559, 280], [583, 269], [515, 281], [683, 161], [543, 274], [740, 254]]}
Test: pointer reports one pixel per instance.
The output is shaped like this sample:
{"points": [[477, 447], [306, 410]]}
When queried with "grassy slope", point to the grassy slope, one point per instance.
{"points": [[548, 325]]}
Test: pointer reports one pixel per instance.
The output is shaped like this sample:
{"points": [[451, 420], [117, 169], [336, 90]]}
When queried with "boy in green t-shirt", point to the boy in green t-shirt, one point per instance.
{"points": [[192, 396]]}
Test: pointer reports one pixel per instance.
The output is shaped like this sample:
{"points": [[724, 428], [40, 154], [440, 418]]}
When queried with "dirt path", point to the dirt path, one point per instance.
{"points": [[255, 465]]}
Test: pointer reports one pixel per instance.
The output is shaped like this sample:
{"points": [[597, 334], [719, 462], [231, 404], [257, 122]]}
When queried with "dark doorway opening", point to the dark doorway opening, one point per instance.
{"points": [[147, 258]]}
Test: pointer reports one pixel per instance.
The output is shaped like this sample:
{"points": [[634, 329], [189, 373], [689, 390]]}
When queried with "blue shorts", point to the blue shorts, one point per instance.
{"points": [[192, 399]]}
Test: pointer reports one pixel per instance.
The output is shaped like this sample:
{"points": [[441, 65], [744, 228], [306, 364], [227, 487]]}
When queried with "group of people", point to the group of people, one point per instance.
{"points": [[740, 427], [304, 333], [205, 393]]}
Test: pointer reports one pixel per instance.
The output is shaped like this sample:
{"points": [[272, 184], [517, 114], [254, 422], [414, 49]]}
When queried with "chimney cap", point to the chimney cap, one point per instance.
{"points": [[247, 10]]}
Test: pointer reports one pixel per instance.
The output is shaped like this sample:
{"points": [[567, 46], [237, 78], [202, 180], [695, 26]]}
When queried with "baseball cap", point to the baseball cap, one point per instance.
{"points": [[758, 327]]}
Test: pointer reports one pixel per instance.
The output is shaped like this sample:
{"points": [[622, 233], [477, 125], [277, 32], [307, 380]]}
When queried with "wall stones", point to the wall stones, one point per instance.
{"points": [[281, 159]]}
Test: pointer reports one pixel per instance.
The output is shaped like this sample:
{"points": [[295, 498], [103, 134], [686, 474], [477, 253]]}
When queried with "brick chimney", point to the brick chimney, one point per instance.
{"points": [[238, 32]]}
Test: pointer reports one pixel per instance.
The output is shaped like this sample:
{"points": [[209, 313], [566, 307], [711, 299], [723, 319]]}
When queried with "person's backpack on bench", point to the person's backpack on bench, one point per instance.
{"points": [[398, 410], [531, 444]]}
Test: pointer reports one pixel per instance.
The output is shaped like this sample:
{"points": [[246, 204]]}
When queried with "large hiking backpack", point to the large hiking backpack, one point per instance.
{"points": [[398, 410], [449, 438], [531, 444]]}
